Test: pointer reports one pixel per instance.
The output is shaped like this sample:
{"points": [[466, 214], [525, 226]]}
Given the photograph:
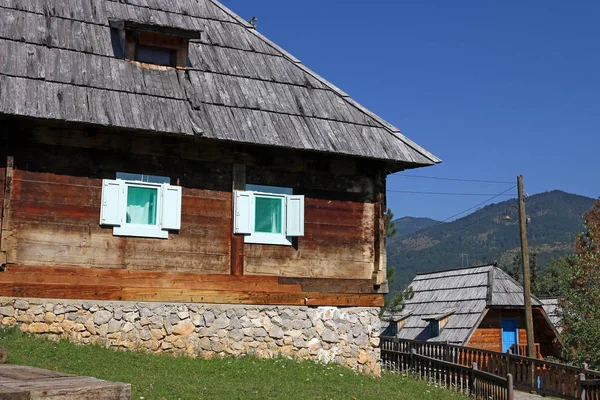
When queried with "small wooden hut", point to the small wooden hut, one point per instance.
{"points": [[479, 306]]}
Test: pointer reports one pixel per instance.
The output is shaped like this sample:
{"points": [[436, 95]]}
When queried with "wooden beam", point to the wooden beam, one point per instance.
{"points": [[181, 280], [116, 293], [380, 231], [5, 220], [155, 279], [325, 285], [237, 241]]}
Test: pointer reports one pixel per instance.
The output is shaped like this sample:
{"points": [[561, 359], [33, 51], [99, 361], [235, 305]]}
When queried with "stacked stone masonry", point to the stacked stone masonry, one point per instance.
{"points": [[348, 336]]}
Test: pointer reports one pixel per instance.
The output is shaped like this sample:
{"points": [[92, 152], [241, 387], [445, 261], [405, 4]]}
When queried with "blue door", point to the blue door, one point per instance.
{"points": [[510, 333]]}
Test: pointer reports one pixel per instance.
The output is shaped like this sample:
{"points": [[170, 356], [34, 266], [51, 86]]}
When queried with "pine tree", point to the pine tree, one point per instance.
{"points": [[395, 302], [581, 302]]}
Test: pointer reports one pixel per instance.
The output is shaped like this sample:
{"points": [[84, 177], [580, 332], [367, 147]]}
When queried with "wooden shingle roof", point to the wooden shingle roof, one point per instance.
{"points": [[462, 293], [552, 308], [59, 63]]}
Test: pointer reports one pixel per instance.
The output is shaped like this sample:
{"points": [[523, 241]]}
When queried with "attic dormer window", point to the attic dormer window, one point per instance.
{"points": [[437, 322], [153, 44]]}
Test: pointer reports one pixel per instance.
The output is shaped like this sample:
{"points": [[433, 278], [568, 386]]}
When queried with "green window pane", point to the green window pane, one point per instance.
{"points": [[268, 214], [141, 205]]}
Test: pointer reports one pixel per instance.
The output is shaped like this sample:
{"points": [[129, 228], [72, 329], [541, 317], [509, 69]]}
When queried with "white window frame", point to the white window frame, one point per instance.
{"points": [[141, 230], [245, 218], [164, 222], [269, 238]]}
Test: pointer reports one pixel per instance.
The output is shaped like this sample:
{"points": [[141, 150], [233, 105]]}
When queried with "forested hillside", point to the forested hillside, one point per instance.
{"points": [[486, 235]]}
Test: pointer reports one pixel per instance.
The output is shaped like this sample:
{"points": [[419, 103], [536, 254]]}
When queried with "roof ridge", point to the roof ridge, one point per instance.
{"points": [[494, 264], [395, 132]]}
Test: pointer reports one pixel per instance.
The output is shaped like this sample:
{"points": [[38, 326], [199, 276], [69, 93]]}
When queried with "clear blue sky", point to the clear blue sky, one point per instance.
{"points": [[495, 88]]}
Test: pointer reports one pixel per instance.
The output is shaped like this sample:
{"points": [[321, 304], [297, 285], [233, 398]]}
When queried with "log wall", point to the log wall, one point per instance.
{"points": [[339, 228], [55, 246], [488, 335]]}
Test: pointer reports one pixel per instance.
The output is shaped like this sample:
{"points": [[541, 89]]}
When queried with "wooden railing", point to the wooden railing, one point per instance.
{"points": [[534, 374], [489, 386], [446, 374], [521, 350], [589, 389], [463, 379]]}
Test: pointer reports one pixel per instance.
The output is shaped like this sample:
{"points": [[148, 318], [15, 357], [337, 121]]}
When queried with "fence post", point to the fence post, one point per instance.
{"points": [[413, 360], [510, 395], [581, 387], [446, 351], [532, 380], [584, 369], [473, 381], [508, 353]]}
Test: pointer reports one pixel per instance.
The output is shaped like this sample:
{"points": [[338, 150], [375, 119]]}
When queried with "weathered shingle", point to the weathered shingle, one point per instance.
{"points": [[552, 308], [239, 86]]}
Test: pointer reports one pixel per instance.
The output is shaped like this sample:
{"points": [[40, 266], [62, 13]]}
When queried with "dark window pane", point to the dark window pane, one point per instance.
{"points": [[154, 55]]}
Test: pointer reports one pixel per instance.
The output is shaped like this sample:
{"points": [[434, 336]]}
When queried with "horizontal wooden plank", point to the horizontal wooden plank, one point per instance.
{"points": [[330, 285], [75, 256], [344, 300], [310, 251], [155, 279], [36, 290], [308, 269], [89, 292], [336, 234], [179, 280], [31, 211], [333, 216], [48, 177], [56, 193], [188, 240]]}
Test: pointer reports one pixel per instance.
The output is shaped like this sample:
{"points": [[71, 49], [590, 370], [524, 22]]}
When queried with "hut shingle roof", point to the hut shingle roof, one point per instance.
{"points": [[59, 63], [552, 309]]}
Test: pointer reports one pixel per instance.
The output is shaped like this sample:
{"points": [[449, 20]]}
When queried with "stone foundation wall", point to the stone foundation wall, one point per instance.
{"points": [[347, 335]]}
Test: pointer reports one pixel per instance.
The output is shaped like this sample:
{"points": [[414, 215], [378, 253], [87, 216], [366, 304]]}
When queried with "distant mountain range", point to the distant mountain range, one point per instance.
{"points": [[424, 244]]}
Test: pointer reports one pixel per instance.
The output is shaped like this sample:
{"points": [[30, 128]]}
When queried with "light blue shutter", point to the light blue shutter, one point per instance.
{"points": [[243, 213], [110, 210], [171, 207], [294, 215]]}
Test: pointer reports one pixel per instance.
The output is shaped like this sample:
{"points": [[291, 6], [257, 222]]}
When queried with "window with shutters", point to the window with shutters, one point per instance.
{"points": [[140, 205], [268, 215]]}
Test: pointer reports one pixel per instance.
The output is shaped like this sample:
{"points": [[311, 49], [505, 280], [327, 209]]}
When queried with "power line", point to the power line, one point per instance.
{"points": [[457, 214], [452, 179], [449, 193], [472, 223]]}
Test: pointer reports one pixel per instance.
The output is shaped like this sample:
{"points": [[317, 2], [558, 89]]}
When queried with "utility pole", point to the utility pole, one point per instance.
{"points": [[526, 275]]}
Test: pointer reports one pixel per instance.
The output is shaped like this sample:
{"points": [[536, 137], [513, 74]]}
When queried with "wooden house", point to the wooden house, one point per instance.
{"points": [[167, 152], [478, 306]]}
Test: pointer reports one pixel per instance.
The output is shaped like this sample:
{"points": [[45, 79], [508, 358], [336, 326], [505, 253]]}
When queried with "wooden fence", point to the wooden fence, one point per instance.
{"points": [[521, 350], [542, 376], [464, 379], [589, 388]]}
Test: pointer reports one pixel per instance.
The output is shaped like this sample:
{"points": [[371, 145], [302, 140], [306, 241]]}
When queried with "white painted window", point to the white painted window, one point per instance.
{"points": [[268, 215], [140, 205]]}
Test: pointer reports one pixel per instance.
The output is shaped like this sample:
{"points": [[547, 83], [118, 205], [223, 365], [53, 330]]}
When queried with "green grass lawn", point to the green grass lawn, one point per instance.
{"points": [[167, 377]]}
